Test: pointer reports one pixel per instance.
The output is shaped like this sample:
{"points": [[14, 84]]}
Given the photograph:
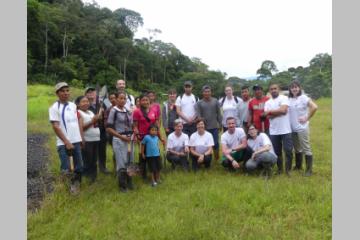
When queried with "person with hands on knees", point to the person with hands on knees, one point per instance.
{"points": [[234, 146], [263, 151], [65, 122], [201, 146], [178, 147], [150, 151]]}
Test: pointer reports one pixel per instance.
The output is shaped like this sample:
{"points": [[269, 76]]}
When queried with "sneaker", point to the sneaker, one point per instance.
{"points": [[154, 184]]}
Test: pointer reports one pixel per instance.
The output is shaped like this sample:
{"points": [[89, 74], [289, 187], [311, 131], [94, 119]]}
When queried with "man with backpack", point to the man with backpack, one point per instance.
{"points": [[130, 100], [185, 108]]}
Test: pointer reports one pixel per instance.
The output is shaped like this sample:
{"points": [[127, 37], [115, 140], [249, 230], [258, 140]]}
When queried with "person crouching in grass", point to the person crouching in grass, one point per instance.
{"points": [[263, 154], [234, 146], [201, 146], [91, 135], [152, 154]]}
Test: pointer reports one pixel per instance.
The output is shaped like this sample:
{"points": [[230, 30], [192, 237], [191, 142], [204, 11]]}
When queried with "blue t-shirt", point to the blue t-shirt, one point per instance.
{"points": [[152, 148]]}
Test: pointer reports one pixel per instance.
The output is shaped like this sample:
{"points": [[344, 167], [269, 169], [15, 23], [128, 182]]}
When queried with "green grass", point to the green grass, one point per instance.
{"points": [[207, 205]]}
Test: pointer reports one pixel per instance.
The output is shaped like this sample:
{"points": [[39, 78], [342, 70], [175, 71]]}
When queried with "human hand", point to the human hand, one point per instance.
{"points": [[303, 119], [69, 145], [201, 159], [235, 164]]}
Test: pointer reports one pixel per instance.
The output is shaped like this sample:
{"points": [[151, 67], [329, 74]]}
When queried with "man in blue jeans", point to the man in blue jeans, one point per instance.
{"points": [[66, 125], [276, 109]]}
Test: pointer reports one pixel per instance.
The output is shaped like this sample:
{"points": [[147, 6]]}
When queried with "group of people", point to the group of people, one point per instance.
{"points": [[254, 131]]}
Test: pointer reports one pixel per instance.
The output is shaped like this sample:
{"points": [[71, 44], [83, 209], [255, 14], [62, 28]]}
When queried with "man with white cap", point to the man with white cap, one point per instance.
{"points": [[66, 125]]}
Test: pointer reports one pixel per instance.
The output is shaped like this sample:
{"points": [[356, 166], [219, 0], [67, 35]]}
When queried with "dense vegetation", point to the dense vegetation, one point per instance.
{"points": [[82, 43]]}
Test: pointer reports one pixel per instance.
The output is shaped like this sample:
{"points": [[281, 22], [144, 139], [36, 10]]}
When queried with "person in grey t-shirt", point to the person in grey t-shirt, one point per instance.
{"points": [[208, 108]]}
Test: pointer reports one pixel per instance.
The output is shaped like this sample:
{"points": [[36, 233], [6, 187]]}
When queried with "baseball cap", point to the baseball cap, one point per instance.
{"points": [[188, 83], [60, 85], [256, 87], [205, 87]]}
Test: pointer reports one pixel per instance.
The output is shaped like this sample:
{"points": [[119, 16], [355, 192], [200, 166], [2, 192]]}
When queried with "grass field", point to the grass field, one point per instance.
{"points": [[207, 205]]}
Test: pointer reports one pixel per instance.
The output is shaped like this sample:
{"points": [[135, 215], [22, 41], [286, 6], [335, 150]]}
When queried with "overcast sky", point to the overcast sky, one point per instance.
{"points": [[235, 36]]}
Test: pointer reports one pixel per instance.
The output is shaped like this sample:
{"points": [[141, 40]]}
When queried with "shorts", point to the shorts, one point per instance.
{"points": [[154, 163]]}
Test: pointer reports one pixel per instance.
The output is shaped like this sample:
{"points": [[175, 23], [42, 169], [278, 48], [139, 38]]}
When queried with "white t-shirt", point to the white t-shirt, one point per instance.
{"points": [[298, 108], [177, 143], [68, 120], [261, 140], [129, 102], [233, 140], [187, 105], [91, 134], [201, 142], [230, 109], [280, 124]]}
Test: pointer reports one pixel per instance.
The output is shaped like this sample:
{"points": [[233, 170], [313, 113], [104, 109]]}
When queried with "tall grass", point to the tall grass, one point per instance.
{"points": [[210, 204]]}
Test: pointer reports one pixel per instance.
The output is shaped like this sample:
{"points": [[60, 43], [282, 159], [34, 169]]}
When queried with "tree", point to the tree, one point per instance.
{"points": [[267, 69]]}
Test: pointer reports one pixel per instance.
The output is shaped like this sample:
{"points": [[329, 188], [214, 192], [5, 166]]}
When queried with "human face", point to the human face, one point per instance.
{"points": [[187, 89], [200, 127], [84, 104], [206, 93], [152, 97], [145, 102], [178, 128], [295, 90], [245, 94], [121, 100], [137, 102], [231, 125], [258, 93], [112, 99], [153, 132], [252, 132], [228, 91], [120, 85], [91, 96], [274, 90], [63, 94], [172, 96]]}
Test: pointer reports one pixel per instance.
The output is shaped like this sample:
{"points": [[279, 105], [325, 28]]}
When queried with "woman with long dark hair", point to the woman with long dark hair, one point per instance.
{"points": [[301, 109], [143, 117]]}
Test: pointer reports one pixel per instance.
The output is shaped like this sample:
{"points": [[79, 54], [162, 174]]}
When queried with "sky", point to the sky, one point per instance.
{"points": [[236, 36]]}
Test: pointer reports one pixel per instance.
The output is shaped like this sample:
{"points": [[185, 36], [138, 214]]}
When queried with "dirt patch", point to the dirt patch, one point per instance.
{"points": [[39, 180]]}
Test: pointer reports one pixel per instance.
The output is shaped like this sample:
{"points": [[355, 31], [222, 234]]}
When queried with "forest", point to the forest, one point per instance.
{"points": [[83, 43]]}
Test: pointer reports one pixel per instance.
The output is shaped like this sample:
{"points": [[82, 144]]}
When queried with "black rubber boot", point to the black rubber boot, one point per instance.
{"points": [[309, 163], [280, 165], [298, 161], [130, 185], [122, 180]]}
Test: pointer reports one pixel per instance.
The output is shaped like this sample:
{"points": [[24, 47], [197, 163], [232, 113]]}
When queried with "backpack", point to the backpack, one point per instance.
{"points": [[223, 100], [196, 98]]}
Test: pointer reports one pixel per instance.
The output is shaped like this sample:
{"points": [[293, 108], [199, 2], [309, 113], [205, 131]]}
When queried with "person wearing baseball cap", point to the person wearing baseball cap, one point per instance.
{"points": [[65, 123], [90, 93], [256, 110]]}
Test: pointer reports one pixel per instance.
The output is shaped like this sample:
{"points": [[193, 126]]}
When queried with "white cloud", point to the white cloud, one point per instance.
{"points": [[236, 36]]}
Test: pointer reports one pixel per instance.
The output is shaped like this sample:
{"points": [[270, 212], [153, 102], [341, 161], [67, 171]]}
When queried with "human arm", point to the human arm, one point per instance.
{"points": [[312, 110], [56, 127], [262, 149]]}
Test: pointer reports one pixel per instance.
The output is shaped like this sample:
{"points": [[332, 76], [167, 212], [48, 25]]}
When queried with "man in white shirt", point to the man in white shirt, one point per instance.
{"points": [[185, 108], [65, 123], [276, 109], [130, 100], [178, 147], [234, 146]]}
